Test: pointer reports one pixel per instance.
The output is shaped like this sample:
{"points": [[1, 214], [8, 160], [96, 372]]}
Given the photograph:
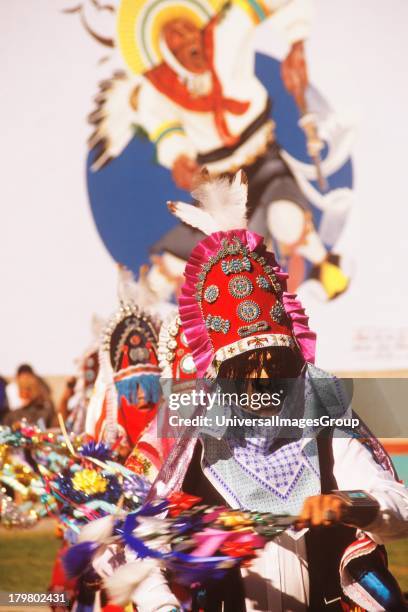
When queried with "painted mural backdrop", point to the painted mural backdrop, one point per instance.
{"points": [[188, 91], [123, 102], [184, 89]]}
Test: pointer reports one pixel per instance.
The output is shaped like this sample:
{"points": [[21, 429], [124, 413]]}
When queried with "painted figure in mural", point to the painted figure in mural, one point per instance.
{"points": [[193, 90]]}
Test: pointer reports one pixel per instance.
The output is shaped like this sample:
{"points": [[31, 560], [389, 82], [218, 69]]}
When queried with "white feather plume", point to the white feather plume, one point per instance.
{"points": [[97, 325], [115, 116], [121, 584], [98, 530], [221, 205], [194, 216], [136, 291]]}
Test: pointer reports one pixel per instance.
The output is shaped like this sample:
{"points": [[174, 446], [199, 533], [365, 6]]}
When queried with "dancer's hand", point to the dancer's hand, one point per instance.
{"points": [[321, 510], [184, 172], [294, 73]]}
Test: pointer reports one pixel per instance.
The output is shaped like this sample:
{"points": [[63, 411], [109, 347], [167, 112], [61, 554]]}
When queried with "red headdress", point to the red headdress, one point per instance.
{"points": [[127, 392], [234, 298]]}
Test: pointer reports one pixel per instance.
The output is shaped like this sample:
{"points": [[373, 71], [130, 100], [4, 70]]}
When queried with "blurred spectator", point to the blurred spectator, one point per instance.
{"points": [[14, 398], [3, 398], [35, 399]]}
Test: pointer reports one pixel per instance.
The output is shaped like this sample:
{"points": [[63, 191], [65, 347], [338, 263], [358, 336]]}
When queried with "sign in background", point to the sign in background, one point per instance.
{"points": [[57, 271]]}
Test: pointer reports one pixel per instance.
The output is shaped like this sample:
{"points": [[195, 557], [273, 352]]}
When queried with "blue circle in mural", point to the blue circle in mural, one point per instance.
{"points": [[128, 196]]}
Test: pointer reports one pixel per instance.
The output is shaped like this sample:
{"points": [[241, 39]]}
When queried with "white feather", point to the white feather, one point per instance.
{"points": [[97, 325], [114, 118], [138, 292], [221, 205], [225, 200], [194, 216], [124, 580], [98, 530]]}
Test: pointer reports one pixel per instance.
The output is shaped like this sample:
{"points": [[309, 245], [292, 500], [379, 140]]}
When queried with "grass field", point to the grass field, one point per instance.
{"points": [[398, 562], [26, 559]]}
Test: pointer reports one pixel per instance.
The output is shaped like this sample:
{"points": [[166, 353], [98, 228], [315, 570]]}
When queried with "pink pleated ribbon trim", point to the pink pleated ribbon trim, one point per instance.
{"points": [[305, 337]]}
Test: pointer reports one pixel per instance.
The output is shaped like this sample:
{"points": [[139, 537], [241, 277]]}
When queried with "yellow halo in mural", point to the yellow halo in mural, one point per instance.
{"points": [[140, 23]]}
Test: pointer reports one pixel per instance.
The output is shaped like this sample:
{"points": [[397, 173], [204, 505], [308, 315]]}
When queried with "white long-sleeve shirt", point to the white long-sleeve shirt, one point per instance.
{"points": [[177, 131], [283, 563]]}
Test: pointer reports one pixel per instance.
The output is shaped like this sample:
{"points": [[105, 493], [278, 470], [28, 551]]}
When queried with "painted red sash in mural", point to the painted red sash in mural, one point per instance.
{"points": [[166, 80]]}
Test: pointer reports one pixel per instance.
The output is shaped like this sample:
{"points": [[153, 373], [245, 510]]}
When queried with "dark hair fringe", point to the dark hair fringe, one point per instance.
{"points": [[276, 361], [24, 368]]}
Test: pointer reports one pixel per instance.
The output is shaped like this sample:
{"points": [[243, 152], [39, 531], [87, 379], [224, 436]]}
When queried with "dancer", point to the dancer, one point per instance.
{"points": [[191, 88], [203, 106], [242, 326]]}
